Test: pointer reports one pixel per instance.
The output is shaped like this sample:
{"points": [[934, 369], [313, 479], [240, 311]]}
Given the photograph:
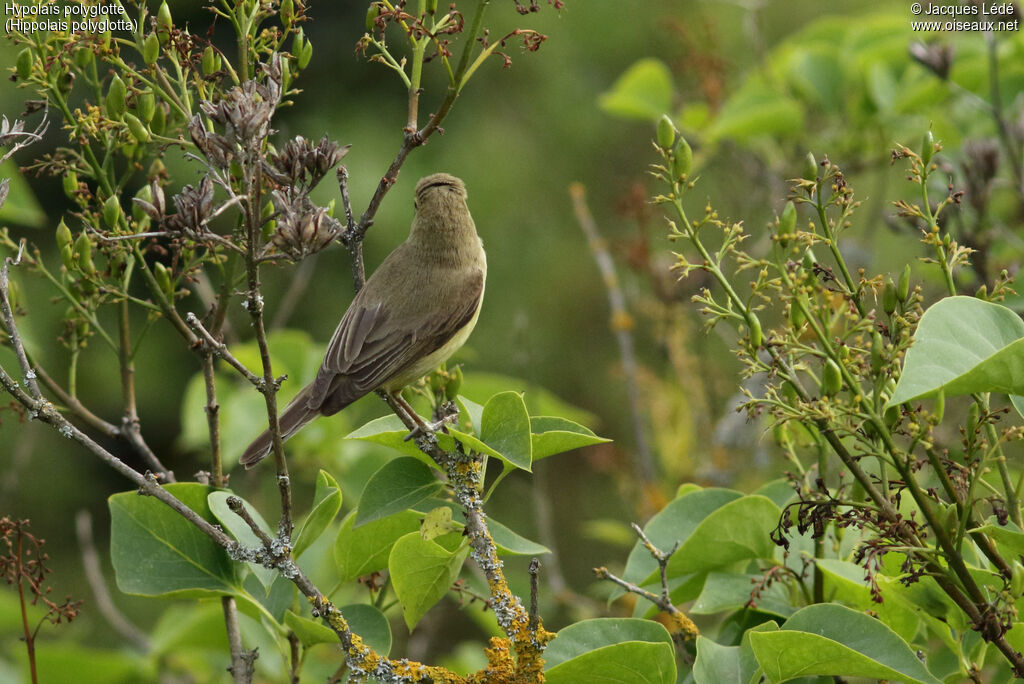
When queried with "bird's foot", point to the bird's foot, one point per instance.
{"points": [[424, 429]]}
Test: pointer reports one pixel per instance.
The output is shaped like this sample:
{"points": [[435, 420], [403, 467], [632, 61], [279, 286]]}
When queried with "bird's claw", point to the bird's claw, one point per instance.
{"points": [[428, 429]]}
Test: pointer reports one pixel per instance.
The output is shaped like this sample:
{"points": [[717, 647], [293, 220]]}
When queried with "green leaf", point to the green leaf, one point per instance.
{"points": [[396, 486], [370, 624], [644, 91], [505, 427], [21, 205], [587, 635], [422, 572], [361, 550], [674, 523], [845, 584], [611, 650], [726, 591], [470, 413], [738, 530], [833, 640], [241, 531], [389, 431], [631, 662], [757, 109], [963, 345], [310, 632], [326, 504], [1009, 540], [511, 543], [189, 627], [68, 662], [553, 435], [438, 522], [717, 664], [156, 552]]}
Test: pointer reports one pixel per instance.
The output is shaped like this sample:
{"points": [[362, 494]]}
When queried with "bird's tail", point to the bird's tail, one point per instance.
{"points": [[295, 415]]}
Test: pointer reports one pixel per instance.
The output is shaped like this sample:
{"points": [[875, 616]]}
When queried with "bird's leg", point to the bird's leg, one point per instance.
{"points": [[422, 428]]}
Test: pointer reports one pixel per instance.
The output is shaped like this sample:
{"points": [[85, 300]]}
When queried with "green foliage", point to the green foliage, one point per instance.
{"points": [[156, 552], [611, 650], [963, 345]]}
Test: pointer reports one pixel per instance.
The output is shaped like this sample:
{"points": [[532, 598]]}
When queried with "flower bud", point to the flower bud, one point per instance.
{"points": [[787, 224], [903, 286], [163, 279], [164, 23], [810, 172], [940, 407], [151, 49], [666, 133], [111, 211], [877, 352], [683, 160], [70, 183], [454, 384], [927, 147], [889, 298], [83, 254], [831, 378], [137, 128], [209, 62], [1017, 579], [116, 98], [158, 122], [64, 238], [145, 105], [287, 12], [372, 12], [23, 65]]}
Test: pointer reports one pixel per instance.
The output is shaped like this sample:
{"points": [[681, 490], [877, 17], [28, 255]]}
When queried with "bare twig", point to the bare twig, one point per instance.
{"points": [[242, 662], [221, 350], [28, 375], [94, 574], [621, 324]]}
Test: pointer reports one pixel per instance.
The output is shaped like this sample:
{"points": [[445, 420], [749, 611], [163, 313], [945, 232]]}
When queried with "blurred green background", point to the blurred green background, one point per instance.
{"points": [[754, 85]]}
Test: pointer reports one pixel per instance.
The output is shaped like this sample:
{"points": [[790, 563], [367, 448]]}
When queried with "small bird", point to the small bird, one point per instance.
{"points": [[417, 308]]}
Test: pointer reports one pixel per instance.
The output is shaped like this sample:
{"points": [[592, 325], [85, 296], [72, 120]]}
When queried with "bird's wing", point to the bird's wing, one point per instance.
{"points": [[366, 351]]}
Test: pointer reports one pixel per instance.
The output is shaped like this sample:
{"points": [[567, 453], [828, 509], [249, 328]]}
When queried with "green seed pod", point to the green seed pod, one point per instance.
{"points": [[70, 183], [973, 417], [372, 12], [927, 147], [903, 286], [82, 331], [145, 105], [781, 434], [163, 279], [137, 128], [831, 379], [287, 12], [810, 171], [1017, 579], [111, 211], [286, 73], [809, 260], [431, 7], [940, 407], [23, 65], [877, 352], [789, 393], [116, 98], [209, 62], [306, 56], [889, 298], [982, 293], [666, 133], [787, 224], [756, 333], [946, 241], [158, 122], [164, 23], [451, 389], [83, 254], [151, 49], [683, 160], [64, 238]]}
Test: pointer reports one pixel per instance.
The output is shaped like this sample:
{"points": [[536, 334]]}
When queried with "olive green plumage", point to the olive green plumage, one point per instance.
{"points": [[417, 308]]}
